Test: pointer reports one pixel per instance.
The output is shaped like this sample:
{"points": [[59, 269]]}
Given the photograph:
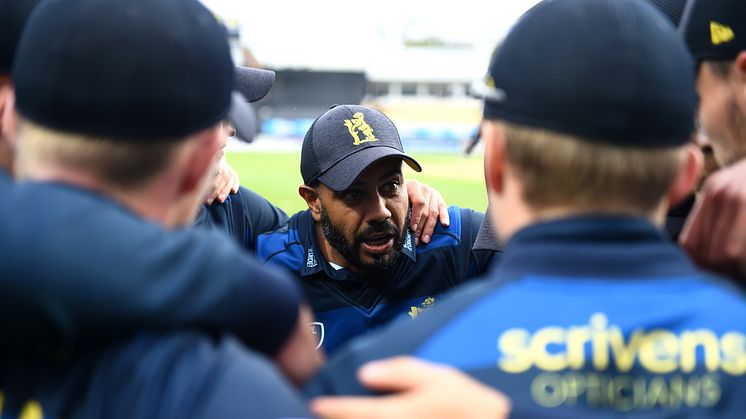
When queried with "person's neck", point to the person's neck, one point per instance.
{"points": [[151, 201]]}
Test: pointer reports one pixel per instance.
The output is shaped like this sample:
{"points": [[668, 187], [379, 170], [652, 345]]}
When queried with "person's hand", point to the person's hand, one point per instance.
{"points": [[427, 207], [298, 358], [224, 182], [715, 232], [420, 390]]}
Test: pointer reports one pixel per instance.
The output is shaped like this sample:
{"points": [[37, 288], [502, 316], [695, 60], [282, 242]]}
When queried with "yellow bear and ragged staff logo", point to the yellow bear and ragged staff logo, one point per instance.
{"points": [[720, 33], [356, 126], [415, 311]]}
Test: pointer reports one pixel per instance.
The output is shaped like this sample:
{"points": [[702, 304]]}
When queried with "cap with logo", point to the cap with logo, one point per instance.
{"points": [[715, 29], [133, 70], [611, 71], [346, 140]]}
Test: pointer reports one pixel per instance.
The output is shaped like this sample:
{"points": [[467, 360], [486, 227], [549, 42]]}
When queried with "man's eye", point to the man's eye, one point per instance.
{"points": [[352, 195], [392, 187]]}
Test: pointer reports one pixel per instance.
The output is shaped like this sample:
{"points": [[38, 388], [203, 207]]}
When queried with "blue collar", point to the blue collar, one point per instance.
{"points": [[593, 246], [314, 259]]}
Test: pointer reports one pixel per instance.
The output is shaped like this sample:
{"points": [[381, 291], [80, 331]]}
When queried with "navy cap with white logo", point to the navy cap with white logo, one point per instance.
{"points": [[715, 29], [346, 140], [611, 71], [132, 70]]}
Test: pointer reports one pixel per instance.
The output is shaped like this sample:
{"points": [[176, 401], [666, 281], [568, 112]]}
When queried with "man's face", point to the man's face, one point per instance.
{"points": [[722, 120], [366, 223]]}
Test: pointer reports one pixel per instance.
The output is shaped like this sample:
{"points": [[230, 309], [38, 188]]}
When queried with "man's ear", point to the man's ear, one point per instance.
{"points": [[7, 111], [311, 196], [688, 176], [740, 79], [493, 136], [201, 158]]}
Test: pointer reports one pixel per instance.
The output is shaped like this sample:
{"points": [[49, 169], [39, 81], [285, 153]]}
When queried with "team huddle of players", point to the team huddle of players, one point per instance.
{"points": [[124, 294]]}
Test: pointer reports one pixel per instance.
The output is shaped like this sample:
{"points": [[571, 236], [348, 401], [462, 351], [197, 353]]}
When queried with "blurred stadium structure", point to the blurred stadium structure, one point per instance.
{"points": [[416, 67]]}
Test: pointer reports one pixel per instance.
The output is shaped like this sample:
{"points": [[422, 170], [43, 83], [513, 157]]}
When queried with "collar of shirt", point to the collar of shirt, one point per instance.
{"points": [[315, 261], [592, 246]]}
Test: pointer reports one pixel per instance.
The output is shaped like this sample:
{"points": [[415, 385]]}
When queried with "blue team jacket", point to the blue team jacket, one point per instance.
{"points": [[347, 305], [583, 317]]}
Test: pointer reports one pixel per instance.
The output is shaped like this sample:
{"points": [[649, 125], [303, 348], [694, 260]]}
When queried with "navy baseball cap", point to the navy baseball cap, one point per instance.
{"points": [[610, 71], [346, 140], [13, 17], [715, 29], [133, 70]]}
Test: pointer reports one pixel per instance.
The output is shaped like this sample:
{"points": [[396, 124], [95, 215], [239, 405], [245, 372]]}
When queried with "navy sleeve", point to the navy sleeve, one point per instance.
{"points": [[261, 215], [243, 216], [118, 274], [470, 222]]}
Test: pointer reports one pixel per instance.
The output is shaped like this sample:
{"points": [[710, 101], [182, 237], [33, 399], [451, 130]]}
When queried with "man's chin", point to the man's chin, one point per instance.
{"points": [[380, 262]]}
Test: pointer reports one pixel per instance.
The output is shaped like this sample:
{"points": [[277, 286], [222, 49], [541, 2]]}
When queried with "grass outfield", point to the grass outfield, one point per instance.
{"points": [[276, 176]]}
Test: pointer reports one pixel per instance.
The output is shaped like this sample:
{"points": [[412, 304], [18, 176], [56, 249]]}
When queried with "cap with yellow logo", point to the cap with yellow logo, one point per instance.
{"points": [[344, 141], [715, 29]]}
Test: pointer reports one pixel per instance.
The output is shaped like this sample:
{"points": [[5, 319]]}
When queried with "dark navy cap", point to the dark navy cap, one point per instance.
{"points": [[612, 71], [344, 141], [127, 69], [715, 29], [254, 84], [13, 16]]}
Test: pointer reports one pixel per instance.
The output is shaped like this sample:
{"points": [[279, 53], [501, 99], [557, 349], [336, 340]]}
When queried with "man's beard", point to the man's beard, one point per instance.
{"points": [[351, 251]]}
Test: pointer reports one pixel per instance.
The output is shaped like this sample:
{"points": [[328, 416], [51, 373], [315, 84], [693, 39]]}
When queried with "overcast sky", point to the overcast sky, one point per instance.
{"points": [[291, 32]]}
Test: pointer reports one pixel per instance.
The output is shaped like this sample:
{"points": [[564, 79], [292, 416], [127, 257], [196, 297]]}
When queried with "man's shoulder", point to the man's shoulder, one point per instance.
{"points": [[285, 245], [464, 223]]}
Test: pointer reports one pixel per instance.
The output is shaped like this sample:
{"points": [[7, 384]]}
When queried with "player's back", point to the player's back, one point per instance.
{"points": [[597, 316]]}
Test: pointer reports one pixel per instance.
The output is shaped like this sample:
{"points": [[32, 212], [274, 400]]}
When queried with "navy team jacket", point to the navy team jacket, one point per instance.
{"points": [[171, 375], [583, 317], [347, 305]]}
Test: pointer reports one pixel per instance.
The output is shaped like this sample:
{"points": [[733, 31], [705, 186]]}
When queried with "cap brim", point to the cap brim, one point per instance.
{"points": [[253, 83], [242, 117], [343, 174]]}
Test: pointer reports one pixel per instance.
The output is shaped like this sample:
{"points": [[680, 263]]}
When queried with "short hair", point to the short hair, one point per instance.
{"points": [[565, 170], [125, 164], [720, 68]]}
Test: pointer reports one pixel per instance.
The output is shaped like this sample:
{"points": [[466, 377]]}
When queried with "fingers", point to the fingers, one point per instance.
{"points": [[236, 182], [399, 373], [348, 407], [418, 202]]}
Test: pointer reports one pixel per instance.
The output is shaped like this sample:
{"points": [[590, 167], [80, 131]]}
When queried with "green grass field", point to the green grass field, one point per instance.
{"points": [[276, 176]]}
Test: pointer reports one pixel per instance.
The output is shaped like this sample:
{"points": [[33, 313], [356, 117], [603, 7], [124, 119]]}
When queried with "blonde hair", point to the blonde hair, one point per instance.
{"points": [[561, 170], [126, 164]]}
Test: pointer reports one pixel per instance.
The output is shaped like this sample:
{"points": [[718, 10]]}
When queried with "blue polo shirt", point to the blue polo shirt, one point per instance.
{"points": [[582, 317], [77, 268], [345, 304], [243, 216], [172, 375]]}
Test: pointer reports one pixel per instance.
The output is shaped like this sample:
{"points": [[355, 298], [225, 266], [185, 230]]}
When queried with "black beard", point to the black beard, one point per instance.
{"points": [[351, 251]]}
